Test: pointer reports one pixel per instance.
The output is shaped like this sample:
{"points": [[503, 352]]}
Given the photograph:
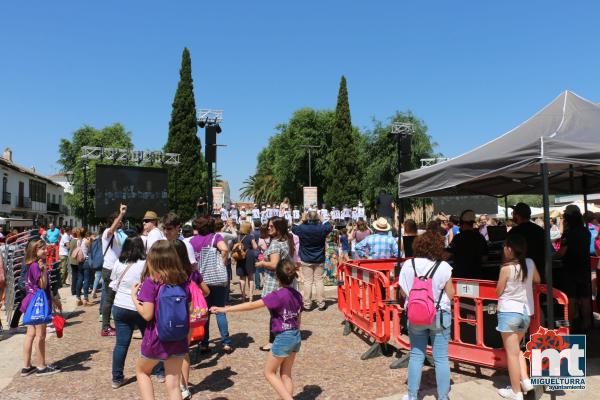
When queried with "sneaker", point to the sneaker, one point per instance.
{"points": [[100, 318], [48, 370], [160, 378], [79, 302], [508, 393], [28, 371], [185, 392], [50, 329], [117, 383], [526, 385], [108, 332], [323, 307]]}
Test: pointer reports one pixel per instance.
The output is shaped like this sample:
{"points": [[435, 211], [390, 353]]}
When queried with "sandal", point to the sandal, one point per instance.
{"points": [[266, 347], [204, 349], [227, 349]]}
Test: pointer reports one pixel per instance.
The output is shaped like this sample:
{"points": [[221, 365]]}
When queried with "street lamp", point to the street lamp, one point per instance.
{"points": [[309, 147]]}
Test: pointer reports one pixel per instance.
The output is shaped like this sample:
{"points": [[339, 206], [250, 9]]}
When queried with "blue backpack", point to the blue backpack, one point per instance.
{"points": [[95, 260], [172, 314]]}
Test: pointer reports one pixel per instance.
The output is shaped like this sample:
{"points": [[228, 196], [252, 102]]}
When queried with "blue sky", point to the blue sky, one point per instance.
{"points": [[470, 69]]}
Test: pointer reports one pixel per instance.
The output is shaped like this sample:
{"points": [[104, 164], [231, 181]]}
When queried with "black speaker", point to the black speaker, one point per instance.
{"points": [[210, 140]]}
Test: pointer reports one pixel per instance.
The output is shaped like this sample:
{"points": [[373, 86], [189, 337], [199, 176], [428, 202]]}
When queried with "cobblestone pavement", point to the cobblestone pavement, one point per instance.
{"points": [[328, 365]]}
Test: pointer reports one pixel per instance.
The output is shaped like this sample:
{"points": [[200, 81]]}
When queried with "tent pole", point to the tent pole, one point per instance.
{"points": [[505, 209], [585, 192], [548, 248]]}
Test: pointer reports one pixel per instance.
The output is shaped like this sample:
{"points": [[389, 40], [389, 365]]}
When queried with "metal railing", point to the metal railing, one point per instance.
{"points": [[22, 202], [53, 207]]}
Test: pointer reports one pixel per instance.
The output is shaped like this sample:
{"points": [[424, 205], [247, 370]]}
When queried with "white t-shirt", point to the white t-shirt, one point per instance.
{"points": [[515, 297], [190, 249], [441, 276], [296, 214], [64, 244], [154, 236], [133, 276], [112, 254], [255, 213]]}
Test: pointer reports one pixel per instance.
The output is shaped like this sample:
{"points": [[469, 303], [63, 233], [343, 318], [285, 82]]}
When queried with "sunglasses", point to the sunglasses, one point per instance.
{"points": [[148, 220]]}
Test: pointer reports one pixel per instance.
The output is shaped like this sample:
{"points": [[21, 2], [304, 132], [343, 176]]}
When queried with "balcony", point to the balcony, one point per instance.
{"points": [[5, 197], [53, 208], [23, 202], [64, 210]]}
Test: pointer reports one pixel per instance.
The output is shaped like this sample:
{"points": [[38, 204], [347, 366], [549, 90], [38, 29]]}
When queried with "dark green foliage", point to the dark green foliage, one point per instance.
{"points": [[343, 170], [112, 136], [381, 170], [187, 181]]}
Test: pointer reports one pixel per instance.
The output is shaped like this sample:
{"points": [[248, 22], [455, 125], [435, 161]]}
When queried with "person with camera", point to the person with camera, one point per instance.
{"points": [[312, 233]]}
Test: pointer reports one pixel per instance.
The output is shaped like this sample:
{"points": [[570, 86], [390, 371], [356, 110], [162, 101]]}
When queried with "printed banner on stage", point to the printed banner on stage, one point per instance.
{"points": [[310, 196], [218, 197]]}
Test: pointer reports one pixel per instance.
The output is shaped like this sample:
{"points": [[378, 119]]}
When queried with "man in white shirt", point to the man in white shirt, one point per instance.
{"points": [[233, 213], [171, 226], [224, 213], [360, 211], [112, 243], [335, 214], [268, 212], [255, 212], [151, 226], [63, 253], [346, 213], [324, 213], [296, 214]]}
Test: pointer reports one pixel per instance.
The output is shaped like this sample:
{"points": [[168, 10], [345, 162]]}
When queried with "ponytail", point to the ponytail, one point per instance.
{"points": [[518, 245]]}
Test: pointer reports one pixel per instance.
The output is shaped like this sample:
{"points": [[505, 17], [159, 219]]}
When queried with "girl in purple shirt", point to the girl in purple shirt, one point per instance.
{"points": [[163, 267], [36, 278], [285, 306]]}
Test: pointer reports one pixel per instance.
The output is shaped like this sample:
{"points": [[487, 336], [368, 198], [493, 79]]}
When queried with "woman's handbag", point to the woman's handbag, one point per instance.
{"points": [[38, 311], [212, 268]]}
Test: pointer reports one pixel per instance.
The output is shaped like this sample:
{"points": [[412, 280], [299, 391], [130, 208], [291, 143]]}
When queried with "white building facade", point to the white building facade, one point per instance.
{"points": [[27, 194]]}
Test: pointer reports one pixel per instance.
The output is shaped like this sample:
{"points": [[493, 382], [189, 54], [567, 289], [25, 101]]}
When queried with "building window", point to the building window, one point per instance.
{"points": [[60, 199], [4, 184], [37, 191], [54, 198]]}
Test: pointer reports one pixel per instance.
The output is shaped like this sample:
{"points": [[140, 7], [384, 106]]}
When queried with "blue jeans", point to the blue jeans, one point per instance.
{"points": [[217, 297], [125, 323], [83, 282], [97, 279], [419, 336], [257, 273]]}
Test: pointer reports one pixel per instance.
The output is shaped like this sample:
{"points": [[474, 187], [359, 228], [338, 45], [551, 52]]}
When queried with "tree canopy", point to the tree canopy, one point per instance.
{"points": [[354, 166], [187, 181], [111, 136]]}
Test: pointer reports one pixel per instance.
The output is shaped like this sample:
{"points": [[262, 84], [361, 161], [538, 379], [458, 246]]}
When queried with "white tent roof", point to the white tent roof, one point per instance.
{"points": [[565, 134]]}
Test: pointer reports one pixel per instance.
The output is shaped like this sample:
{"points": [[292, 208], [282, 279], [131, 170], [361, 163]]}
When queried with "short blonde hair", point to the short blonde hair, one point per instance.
{"points": [[245, 228]]}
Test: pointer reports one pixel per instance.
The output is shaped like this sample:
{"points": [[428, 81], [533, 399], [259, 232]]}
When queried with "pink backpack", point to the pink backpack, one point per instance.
{"points": [[199, 311], [421, 309]]}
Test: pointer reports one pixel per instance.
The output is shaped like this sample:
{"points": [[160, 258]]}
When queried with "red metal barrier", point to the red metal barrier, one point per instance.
{"points": [[361, 292], [368, 302], [51, 254], [483, 295]]}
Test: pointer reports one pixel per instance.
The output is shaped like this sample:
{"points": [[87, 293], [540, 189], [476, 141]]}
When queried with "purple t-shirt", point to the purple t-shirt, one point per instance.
{"points": [[200, 241], [32, 285], [285, 305], [152, 347]]}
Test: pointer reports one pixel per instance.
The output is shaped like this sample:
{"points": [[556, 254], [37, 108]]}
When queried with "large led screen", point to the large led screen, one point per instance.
{"points": [[141, 189]]}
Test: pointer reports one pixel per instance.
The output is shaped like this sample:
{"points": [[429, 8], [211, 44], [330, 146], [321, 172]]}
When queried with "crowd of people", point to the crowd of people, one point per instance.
{"points": [[289, 256]]}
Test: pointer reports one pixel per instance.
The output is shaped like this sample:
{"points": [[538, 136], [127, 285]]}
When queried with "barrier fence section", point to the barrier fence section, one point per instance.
{"points": [[472, 301], [361, 298]]}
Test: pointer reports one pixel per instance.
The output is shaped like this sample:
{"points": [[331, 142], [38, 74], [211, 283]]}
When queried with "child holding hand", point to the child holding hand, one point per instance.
{"points": [[285, 306]]}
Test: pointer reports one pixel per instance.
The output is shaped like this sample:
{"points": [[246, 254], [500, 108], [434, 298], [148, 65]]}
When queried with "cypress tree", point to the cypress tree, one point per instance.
{"points": [[342, 175], [187, 181]]}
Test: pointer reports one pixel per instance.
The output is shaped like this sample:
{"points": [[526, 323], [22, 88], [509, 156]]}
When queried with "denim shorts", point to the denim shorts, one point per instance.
{"points": [[512, 322], [285, 343]]}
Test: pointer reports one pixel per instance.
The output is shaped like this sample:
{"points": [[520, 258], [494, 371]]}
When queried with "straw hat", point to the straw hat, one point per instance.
{"points": [[382, 225], [151, 216]]}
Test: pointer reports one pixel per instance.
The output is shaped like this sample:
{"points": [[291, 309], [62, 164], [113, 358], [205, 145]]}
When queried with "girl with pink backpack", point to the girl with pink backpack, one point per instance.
{"points": [[426, 284]]}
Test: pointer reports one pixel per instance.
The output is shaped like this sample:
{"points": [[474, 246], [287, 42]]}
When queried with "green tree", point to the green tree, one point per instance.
{"points": [[187, 181], [381, 171], [343, 171], [282, 166], [111, 136]]}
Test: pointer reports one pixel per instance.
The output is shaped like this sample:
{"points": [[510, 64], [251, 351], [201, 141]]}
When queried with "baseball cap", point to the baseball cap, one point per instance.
{"points": [[522, 209]]}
